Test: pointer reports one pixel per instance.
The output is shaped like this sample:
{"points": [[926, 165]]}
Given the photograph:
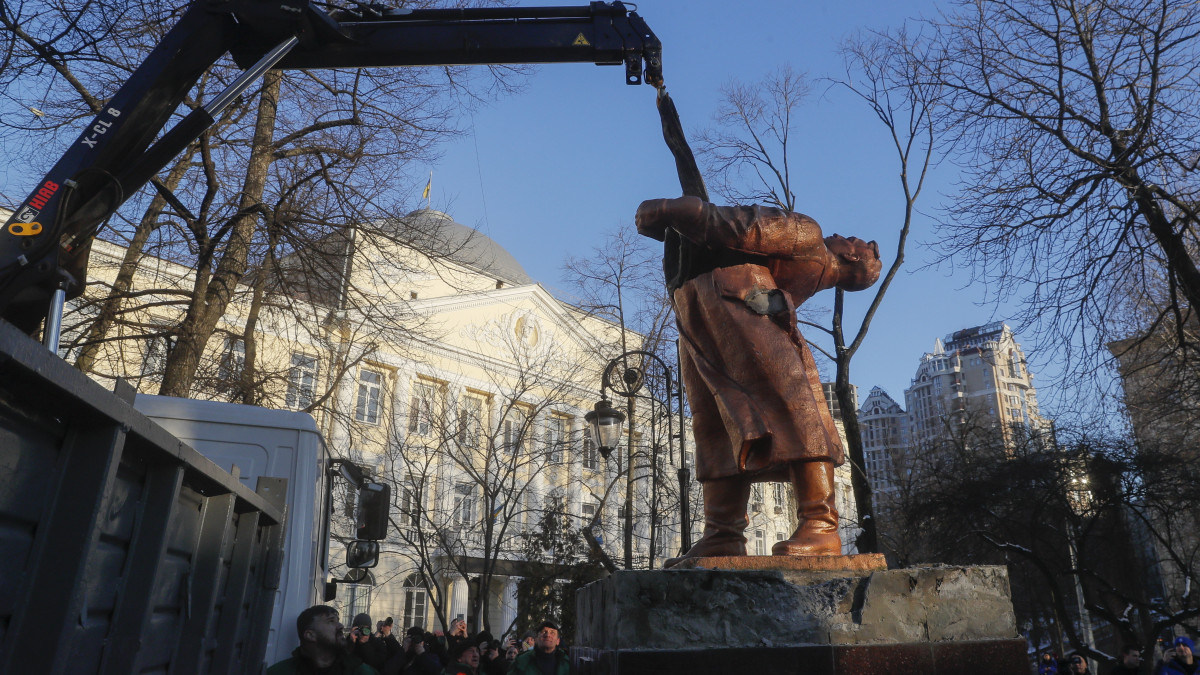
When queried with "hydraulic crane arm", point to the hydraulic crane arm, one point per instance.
{"points": [[603, 33], [44, 245]]}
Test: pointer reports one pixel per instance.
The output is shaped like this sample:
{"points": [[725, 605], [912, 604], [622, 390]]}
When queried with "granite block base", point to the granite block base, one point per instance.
{"points": [[931, 620], [981, 657]]}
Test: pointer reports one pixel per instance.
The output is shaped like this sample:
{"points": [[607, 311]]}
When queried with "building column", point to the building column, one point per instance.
{"points": [[458, 599], [508, 603]]}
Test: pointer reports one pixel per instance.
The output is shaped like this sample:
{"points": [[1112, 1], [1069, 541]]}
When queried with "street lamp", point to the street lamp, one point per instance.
{"points": [[604, 425], [604, 422]]}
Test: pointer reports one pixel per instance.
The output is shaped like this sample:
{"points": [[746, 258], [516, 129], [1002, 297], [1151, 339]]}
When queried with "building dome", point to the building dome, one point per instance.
{"points": [[439, 234]]}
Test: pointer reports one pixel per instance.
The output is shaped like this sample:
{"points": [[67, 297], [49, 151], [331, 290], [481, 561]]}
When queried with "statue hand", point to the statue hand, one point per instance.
{"points": [[655, 216]]}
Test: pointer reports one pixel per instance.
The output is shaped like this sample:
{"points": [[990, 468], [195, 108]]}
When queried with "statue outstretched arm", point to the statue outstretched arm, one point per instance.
{"points": [[851, 264], [753, 229]]}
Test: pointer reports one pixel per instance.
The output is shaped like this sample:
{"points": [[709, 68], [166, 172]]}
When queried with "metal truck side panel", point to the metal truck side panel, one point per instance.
{"points": [[103, 515]]}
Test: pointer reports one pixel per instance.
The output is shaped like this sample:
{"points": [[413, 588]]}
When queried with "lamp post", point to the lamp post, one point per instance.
{"points": [[626, 378]]}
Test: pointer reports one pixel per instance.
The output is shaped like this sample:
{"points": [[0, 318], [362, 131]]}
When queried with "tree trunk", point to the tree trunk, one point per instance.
{"points": [[209, 305], [867, 541], [250, 388], [133, 256]]}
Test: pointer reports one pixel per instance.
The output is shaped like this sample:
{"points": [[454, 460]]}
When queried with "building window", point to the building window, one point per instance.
{"points": [[420, 409], [410, 502], [760, 542], [779, 495], [556, 502], [556, 438], [662, 542], [756, 497], [415, 598], [158, 349], [514, 431], [588, 510], [366, 409], [464, 505], [233, 361], [470, 422], [358, 598], [591, 458], [302, 380]]}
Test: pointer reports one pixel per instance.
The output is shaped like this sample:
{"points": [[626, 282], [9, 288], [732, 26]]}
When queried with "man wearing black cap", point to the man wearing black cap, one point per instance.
{"points": [[363, 644], [415, 657], [389, 640], [1179, 660], [545, 658]]}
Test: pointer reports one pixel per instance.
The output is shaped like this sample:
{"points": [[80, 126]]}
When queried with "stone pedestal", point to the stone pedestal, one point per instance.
{"points": [[787, 616]]}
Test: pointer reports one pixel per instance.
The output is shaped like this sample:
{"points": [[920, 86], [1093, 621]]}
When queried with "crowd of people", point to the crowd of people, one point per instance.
{"points": [[370, 649], [1178, 658]]}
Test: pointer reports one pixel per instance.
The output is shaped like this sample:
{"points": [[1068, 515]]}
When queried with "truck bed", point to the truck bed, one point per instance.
{"points": [[124, 550]]}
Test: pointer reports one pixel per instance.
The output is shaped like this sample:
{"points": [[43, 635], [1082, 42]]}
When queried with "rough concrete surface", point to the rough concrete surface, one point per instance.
{"points": [[704, 609], [858, 563]]}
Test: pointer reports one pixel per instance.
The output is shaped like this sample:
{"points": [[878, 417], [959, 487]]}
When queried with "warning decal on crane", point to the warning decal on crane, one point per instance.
{"points": [[581, 42]]}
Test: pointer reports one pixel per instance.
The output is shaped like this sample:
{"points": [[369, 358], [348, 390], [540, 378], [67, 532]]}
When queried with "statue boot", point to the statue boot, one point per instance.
{"points": [[725, 520], [818, 531]]}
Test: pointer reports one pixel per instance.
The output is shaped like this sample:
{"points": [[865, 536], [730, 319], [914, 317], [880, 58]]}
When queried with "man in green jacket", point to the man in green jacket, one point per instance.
{"points": [[545, 658], [322, 647]]}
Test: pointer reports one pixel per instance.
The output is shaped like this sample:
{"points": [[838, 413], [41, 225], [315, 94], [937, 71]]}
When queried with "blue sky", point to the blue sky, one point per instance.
{"points": [[545, 173]]}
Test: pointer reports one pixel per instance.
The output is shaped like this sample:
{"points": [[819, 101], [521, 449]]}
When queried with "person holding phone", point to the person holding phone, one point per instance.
{"points": [[1179, 659]]}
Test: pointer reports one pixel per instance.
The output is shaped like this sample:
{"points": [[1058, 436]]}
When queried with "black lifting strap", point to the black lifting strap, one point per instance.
{"points": [[679, 254]]}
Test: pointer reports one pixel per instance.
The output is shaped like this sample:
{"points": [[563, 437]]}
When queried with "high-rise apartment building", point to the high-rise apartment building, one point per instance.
{"points": [[885, 438], [976, 377], [831, 400]]}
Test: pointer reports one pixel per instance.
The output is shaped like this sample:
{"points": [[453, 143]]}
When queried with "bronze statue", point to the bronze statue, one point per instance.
{"points": [[758, 410]]}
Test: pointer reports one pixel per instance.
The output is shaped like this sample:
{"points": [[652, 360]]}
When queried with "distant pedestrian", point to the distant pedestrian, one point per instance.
{"points": [[1048, 665], [491, 662], [545, 658], [1180, 659], [322, 647], [389, 640], [414, 657], [363, 643], [456, 634], [1077, 665], [464, 659], [1129, 661]]}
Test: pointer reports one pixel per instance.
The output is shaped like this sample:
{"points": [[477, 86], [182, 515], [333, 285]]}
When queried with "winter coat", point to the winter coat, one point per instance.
{"points": [[346, 664], [526, 665], [1175, 667]]}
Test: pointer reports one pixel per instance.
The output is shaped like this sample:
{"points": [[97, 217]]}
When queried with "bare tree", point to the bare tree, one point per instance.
{"points": [[475, 466], [1075, 125], [1083, 513], [621, 282], [340, 130]]}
